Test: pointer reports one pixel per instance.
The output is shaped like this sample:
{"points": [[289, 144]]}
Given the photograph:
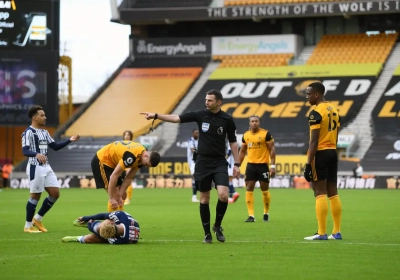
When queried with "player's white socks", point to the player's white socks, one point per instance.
{"points": [[81, 239], [38, 218], [28, 224]]}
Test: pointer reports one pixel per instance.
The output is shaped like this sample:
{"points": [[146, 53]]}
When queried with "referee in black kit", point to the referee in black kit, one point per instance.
{"points": [[215, 126]]}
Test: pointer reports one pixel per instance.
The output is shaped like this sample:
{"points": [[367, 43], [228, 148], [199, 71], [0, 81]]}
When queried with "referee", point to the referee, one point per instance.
{"points": [[215, 126]]}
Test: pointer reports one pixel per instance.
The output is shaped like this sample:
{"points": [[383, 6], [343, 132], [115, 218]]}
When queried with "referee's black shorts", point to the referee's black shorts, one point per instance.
{"points": [[102, 174], [208, 170], [325, 166]]}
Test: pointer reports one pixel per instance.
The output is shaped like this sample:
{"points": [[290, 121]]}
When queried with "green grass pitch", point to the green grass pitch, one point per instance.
{"points": [[171, 239]]}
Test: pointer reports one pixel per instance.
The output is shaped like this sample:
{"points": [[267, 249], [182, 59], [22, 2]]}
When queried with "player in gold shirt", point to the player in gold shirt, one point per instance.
{"points": [[259, 145], [322, 161], [109, 163]]}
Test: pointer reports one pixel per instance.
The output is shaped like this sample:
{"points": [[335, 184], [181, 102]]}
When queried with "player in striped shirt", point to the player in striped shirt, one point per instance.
{"points": [[35, 143], [116, 228]]}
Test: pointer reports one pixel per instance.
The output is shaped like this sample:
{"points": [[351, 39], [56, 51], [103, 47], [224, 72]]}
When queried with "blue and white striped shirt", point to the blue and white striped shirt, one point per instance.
{"points": [[191, 144], [38, 141]]}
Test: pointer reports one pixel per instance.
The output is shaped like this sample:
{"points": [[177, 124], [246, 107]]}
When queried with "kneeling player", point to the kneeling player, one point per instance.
{"points": [[116, 228]]}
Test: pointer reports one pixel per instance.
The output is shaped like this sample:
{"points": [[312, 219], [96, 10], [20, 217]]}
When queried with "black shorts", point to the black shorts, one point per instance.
{"points": [[102, 173], [208, 170], [325, 166], [257, 172]]}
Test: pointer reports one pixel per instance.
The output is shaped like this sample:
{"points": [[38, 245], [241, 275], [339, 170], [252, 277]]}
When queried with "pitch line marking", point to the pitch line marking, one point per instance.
{"points": [[285, 242], [235, 241]]}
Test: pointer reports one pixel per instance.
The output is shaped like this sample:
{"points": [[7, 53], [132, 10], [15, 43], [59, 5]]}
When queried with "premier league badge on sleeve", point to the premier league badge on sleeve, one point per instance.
{"points": [[205, 127]]}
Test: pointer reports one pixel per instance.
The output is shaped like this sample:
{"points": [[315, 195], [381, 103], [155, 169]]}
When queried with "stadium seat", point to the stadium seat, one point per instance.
{"points": [[134, 91], [253, 60], [166, 3], [261, 2], [353, 48]]}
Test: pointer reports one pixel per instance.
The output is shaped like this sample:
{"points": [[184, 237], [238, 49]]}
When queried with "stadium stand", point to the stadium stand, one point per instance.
{"points": [[337, 43], [167, 62], [260, 2], [353, 48], [256, 60], [385, 148], [383, 155], [387, 111], [122, 101], [165, 3]]}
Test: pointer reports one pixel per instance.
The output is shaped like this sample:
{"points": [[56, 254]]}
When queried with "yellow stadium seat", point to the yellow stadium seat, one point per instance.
{"points": [[159, 89], [352, 48]]}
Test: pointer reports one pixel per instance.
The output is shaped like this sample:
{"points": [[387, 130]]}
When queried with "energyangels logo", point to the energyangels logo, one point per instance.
{"points": [[228, 45], [8, 4], [150, 48]]}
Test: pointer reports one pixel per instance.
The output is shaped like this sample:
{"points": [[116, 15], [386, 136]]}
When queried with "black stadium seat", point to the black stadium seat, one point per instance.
{"points": [[166, 3], [170, 62]]}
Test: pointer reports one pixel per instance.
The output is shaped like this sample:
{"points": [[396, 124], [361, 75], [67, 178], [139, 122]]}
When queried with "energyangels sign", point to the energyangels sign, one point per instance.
{"points": [[171, 46], [268, 44], [133, 15], [279, 92]]}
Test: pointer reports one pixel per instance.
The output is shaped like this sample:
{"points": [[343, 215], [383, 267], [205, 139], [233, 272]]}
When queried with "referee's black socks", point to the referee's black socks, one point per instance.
{"points": [[220, 212], [205, 217]]}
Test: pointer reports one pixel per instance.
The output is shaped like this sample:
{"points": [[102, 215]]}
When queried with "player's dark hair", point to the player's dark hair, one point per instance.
{"points": [[194, 129], [254, 116], [318, 87], [130, 134], [155, 159], [33, 110], [216, 93]]}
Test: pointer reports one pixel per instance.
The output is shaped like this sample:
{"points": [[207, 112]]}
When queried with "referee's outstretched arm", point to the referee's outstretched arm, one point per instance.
{"points": [[166, 118]]}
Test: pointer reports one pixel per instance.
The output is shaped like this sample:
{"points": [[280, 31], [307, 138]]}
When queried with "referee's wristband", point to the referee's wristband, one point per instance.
{"points": [[272, 166], [237, 164]]}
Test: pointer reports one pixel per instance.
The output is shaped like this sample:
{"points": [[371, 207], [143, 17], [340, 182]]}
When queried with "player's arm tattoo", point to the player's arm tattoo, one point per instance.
{"points": [[242, 152], [128, 179], [313, 146], [112, 185], [271, 149]]}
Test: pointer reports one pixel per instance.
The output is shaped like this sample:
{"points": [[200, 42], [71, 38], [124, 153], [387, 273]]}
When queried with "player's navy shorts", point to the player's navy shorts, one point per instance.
{"points": [[325, 166], [257, 172], [208, 170], [102, 173]]}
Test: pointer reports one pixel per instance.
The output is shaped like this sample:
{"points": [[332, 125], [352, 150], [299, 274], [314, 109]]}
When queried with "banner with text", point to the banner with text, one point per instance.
{"points": [[285, 165], [281, 104], [185, 181], [277, 96], [356, 7], [268, 44], [171, 47], [27, 79], [386, 114]]}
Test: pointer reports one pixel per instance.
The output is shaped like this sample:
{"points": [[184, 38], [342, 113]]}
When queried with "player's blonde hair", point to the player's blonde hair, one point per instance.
{"points": [[108, 230]]}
